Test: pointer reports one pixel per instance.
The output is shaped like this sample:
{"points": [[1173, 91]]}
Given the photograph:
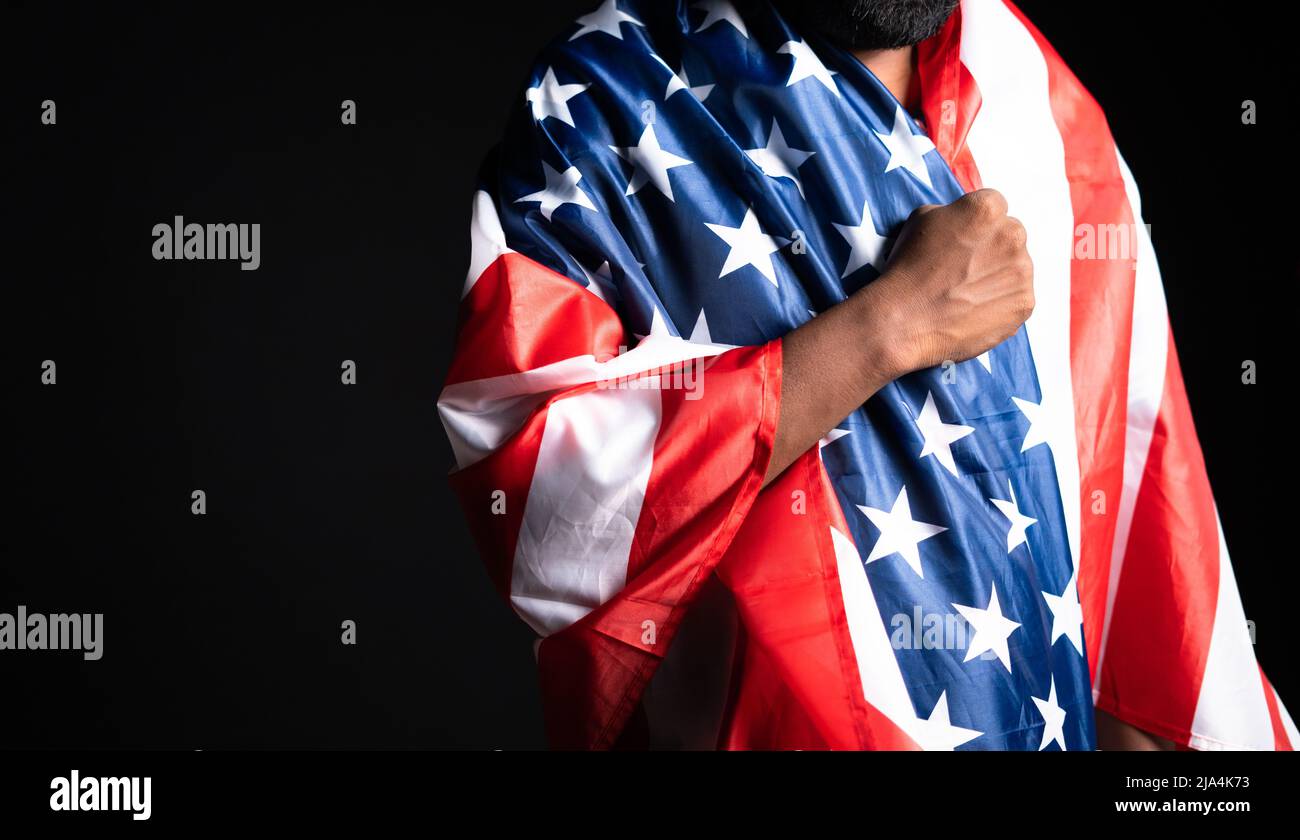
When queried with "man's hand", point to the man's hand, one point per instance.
{"points": [[959, 281]]}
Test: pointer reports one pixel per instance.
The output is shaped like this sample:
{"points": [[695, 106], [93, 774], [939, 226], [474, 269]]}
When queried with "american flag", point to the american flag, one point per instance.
{"points": [[975, 558]]}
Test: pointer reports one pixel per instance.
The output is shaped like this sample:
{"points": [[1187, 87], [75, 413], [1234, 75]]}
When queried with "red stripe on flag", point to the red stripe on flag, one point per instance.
{"points": [[950, 99], [1168, 589], [522, 315], [765, 713], [782, 570], [1281, 741]]}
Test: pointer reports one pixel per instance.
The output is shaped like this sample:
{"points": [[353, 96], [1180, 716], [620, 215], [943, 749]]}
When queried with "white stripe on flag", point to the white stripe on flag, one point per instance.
{"points": [[487, 240], [1019, 152], [593, 466], [1231, 712], [481, 414], [883, 685]]}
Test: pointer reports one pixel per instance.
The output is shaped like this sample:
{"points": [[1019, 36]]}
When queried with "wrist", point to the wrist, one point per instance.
{"points": [[887, 330]]}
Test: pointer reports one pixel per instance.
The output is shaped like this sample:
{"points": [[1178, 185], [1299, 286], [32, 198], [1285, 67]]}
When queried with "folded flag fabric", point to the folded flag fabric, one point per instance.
{"points": [[974, 559]]}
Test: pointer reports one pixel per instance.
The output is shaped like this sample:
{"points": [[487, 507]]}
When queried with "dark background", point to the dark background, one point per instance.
{"points": [[328, 502]]}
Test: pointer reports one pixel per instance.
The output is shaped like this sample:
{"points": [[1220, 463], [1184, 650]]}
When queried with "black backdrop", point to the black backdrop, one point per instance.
{"points": [[328, 502]]}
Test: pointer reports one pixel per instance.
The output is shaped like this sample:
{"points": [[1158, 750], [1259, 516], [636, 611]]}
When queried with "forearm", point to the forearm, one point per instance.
{"points": [[959, 281], [830, 366]]}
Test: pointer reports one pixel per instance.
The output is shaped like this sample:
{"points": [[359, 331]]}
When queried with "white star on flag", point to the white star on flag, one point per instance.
{"points": [[937, 732], [551, 99], [600, 282], [832, 436], [561, 188], [866, 245], [680, 81], [1019, 522], [1067, 614], [607, 19], [1037, 432], [807, 65], [651, 163], [777, 159], [659, 329], [1053, 718], [986, 360], [907, 150], [992, 630], [720, 10], [939, 436], [899, 533], [749, 246], [700, 333]]}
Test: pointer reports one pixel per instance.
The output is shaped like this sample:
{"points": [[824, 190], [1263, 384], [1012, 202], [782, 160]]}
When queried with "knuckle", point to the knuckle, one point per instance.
{"points": [[1016, 234], [921, 211], [1027, 303], [989, 203], [1023, 268]]}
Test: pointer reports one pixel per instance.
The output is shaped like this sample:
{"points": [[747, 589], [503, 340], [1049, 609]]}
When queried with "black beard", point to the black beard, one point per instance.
{"points": [[871, 24]]}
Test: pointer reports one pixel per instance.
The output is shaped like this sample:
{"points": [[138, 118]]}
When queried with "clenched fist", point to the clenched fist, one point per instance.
{"points": [[959, 280]]}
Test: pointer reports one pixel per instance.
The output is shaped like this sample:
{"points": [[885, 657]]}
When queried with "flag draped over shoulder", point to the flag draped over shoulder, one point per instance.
{"points": [[974, 558]]}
